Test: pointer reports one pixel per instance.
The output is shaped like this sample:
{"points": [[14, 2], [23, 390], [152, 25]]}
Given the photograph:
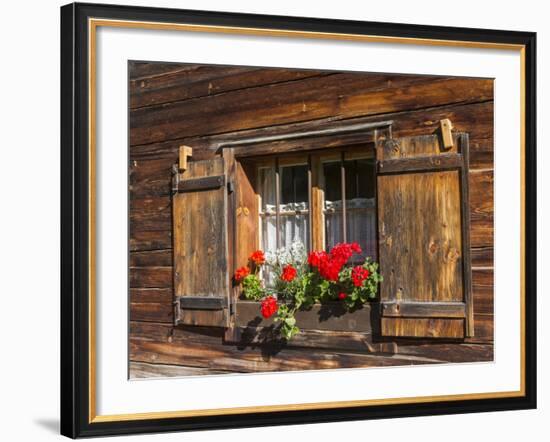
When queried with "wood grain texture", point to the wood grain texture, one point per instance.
{"points": [[199, 81], [246, 213], [346, 95], [423, 327], [200, 242], [330, 316], [177, 106], [420, 238], [424, 257], [143, 370], [200, 236], [201, 347]]}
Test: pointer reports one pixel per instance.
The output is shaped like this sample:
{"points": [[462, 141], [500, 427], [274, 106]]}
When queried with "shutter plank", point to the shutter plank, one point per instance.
{"points": [[201, 279], [423, 239]]}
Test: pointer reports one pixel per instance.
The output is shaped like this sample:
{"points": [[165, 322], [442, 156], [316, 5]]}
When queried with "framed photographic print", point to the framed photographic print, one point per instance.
{"points": [[278, 220]]}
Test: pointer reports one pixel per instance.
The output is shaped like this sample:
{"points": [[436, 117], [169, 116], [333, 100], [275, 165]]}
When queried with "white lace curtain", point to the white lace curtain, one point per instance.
{"points": [[294, 219]]}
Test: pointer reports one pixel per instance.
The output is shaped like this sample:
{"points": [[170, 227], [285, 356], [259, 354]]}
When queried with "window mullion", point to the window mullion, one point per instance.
{"points": [[343, 193]]}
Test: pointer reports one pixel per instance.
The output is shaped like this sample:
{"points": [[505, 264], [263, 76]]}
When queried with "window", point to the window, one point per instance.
{"points": [[343, 183]]}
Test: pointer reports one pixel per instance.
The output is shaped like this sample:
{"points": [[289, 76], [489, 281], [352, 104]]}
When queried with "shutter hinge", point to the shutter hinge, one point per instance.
{"points": [[230, 186]]}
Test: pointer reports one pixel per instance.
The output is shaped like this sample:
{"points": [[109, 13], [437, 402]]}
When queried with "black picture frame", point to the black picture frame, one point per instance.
{"points": [[75, 219]]}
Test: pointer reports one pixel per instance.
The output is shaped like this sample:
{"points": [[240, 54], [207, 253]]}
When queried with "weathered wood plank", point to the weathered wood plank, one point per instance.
{"points": [[147, 69], [346, 95], [206, 81], [161, 295], [152, 311], [481, 194], [151, 258], [330, 340], [419, 237], [143, 370], [150, 240], [205, 338], [484, 327], [481, 231], [420, 164], [423, 327], [153, 213], [482, 284], [150, 277], [482, 256], [168, 333], [449, 352], [424, 309], [151, 177], [231, 358]]}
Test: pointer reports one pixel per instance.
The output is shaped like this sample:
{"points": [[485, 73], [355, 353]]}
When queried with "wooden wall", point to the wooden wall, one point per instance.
{"points": [[200, 105]]}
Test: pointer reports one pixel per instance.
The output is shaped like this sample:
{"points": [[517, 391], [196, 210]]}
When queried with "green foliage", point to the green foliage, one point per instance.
{"points": [[309, 288], [252, 288]]}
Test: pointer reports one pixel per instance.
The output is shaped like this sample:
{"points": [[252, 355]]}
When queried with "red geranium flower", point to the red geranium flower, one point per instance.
{"points": [[289, 273], [269, 307], [241, 273], [358, 275], [257, 257], [342, 296], [330, 264], [343, 251], [314, 259]]}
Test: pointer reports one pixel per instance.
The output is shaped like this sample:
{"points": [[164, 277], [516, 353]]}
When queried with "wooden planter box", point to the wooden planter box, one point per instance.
{"points": [[326, 317], [327, 326]]}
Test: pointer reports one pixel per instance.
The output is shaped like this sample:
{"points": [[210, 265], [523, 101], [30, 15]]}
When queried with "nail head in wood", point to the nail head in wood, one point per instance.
{"points": [[446, 127], [185, 151]]}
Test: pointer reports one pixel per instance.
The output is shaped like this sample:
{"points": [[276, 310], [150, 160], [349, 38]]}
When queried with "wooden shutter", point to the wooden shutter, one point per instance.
{"points": [[423, 227], [201, 277]]}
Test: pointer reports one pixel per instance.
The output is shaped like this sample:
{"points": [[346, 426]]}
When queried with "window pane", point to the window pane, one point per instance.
{"points": [[293, 206], [266, 177], [333, 204], [360, 204], [294, 228], [332, 181], [294, 191]]}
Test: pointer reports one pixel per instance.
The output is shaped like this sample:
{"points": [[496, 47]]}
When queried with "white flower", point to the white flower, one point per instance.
{"points": [[298, 251], [271, 258]]}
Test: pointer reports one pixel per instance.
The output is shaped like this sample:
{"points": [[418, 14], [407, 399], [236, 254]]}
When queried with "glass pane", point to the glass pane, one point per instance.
{"points": [[332, 181], [269, 244], [294, 223], [294, 228], [267, 189], [333, 229], [360, 204], [361, 227], [294, 191], [333, 204]]}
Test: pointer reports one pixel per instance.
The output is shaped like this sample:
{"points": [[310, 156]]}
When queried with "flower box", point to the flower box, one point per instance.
{"points": [[330, 316]]}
